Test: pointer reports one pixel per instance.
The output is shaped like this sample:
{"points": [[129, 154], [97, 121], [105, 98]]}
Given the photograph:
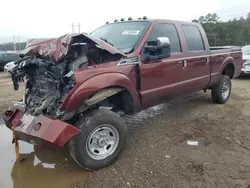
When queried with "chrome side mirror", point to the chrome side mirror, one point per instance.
{"points": [[163, 41]]}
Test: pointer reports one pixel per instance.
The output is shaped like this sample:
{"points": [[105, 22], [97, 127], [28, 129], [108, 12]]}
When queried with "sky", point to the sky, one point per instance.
{"points": [[52, 18]]}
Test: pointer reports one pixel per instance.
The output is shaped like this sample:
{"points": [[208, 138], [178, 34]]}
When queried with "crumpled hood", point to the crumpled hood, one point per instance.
{"points": [[57, 48]]}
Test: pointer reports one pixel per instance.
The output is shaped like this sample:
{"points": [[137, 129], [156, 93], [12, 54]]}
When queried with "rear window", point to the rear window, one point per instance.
{"points": [[193, 38]]}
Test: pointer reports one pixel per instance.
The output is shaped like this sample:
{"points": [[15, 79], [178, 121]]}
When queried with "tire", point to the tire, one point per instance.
{"points": [[222, 90], [101, 129]]}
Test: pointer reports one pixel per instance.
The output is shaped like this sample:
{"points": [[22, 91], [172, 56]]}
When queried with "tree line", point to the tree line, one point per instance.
{"points": [[232, 32]]}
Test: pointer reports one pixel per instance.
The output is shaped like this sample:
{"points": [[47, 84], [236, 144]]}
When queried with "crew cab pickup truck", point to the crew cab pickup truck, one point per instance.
{"points": [[78, 86]]}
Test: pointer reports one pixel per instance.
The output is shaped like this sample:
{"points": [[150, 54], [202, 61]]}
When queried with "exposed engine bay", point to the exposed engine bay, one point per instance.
{"points": [[47, 81]]}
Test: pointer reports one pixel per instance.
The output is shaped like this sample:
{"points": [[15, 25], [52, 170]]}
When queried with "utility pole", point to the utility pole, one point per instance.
{"points": [[73, 27], [79, 28], [14, 43], [19, 48]]}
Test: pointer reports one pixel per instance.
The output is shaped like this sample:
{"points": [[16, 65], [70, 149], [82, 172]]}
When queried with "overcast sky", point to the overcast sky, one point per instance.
{"points": [[52, 18]]}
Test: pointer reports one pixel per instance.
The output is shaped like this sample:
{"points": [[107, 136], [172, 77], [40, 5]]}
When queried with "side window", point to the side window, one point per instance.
{"points": [[166, 30], [8, 57], [3, 57], [193, 38]]}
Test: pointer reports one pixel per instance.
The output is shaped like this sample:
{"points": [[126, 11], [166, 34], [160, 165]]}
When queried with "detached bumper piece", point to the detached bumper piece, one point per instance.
{"points": [[38, 130]]}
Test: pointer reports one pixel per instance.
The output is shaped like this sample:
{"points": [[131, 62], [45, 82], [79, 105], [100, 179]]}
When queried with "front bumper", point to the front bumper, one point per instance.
{"points": [[39, 130], [6, 69]]}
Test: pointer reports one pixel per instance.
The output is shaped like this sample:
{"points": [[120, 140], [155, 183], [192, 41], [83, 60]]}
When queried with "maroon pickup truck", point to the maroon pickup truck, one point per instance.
{"points": [[78, 86]]}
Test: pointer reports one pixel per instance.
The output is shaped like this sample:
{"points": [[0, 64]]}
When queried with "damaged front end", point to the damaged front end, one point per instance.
{"points": [[46, 82], [48, 69]]}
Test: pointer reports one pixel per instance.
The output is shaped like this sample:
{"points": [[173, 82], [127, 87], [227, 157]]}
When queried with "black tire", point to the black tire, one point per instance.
{"points": [[217, 90], [89, 123]]}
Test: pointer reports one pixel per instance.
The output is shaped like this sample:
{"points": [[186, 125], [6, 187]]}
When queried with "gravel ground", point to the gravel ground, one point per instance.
{"points": [[157, 154]]}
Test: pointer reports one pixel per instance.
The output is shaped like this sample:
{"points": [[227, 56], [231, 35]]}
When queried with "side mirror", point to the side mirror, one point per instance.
{"points": [[158, 49]]}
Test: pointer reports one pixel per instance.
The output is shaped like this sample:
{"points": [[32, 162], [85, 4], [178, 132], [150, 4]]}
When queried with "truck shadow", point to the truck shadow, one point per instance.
{"points": [[243, 77]]}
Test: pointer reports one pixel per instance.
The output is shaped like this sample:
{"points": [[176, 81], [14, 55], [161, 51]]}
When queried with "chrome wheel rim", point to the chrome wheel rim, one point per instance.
{"points": [[225, 90], [102, 142]]}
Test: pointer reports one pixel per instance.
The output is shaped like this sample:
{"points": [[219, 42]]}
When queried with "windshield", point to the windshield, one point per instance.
{"points": [[123, 36], [246, 50]]}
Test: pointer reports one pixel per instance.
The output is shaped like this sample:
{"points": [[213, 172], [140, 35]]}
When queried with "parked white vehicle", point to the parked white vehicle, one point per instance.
{"points": [[9, 66], [246, 59]]}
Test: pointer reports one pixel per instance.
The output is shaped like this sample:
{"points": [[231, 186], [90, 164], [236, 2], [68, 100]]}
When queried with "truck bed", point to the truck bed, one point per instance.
{"points": [[224, 49]]}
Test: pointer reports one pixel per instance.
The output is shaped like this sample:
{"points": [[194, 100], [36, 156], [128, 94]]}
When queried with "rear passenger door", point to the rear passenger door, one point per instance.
{"points": [[161, 79], [197, 69]]}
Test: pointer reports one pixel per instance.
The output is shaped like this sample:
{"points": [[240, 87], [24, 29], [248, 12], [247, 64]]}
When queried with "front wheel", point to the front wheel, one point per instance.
{"points": [[101, 139], [222, 90]]}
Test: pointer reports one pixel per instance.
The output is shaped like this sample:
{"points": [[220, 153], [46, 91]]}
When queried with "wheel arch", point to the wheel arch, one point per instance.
{"points": [[97, 85], [118, 96], [228, 67]]}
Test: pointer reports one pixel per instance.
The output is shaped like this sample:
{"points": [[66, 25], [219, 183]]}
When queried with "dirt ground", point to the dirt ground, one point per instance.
{"points": [[157, 153], [7, 93]]}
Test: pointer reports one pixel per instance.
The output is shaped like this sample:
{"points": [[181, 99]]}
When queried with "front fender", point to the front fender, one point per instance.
{"points": [[96, 83]]}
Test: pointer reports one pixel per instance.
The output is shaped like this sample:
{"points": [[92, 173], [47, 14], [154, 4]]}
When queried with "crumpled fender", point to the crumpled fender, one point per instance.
{"points": [[96, 83]]}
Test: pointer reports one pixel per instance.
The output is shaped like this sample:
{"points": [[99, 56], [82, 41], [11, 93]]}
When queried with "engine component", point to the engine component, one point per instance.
{"points": [[45, 84]]}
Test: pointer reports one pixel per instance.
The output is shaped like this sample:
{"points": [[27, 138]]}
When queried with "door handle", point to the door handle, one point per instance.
{"points": [[183, 62], [207, 60]]}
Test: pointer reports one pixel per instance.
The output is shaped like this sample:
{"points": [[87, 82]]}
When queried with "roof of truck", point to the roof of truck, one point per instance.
{"points": [[152, 20]]}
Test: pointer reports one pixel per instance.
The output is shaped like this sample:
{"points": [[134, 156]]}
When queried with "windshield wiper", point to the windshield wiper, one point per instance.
{"points": [[105, 40], [129, 51]]}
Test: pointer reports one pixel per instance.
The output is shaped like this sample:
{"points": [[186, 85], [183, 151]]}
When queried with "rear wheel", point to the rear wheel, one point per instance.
{"points": [[101, 139], [222, 90]]}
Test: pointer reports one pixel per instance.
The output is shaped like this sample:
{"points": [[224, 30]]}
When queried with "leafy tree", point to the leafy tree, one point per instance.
{"points": [[232, 32]]}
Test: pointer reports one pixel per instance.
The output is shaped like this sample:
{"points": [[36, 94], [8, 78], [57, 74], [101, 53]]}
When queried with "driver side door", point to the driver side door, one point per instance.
{"points": [[162, 79]]}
